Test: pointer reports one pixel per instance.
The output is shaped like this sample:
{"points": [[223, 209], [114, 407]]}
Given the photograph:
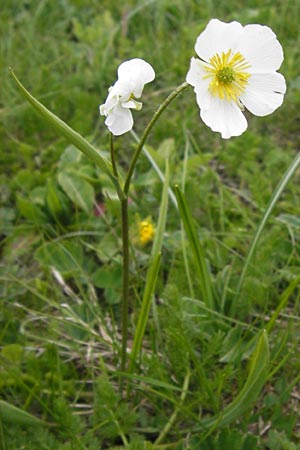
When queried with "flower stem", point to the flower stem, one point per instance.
{"points": [[112, 155], [147, 131], [124, 216], [125, 288]]}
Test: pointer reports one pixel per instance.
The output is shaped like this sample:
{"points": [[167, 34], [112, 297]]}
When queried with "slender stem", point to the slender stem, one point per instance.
{"points": [[147, 131], [124, 215], [173, 417], [112, 155], [125, 243]]}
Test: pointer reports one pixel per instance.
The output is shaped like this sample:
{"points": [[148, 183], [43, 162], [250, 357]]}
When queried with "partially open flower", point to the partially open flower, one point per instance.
{"points": [[132, 76], [237, 69]]}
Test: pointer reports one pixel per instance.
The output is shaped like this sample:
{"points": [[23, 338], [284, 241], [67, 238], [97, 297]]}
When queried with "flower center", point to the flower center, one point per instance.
{"points": [[229, 76], [226, 75]]}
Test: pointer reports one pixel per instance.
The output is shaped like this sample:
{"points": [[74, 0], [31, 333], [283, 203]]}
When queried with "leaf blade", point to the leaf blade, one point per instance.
{"points": [[71, 135]]}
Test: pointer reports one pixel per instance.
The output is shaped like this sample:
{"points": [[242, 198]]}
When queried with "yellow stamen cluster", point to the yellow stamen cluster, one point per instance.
{"points": [[229, 75], [146, 231]]}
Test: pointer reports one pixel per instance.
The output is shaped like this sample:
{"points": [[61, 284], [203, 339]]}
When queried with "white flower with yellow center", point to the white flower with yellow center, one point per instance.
{"points": [[132, 76], [237, 69]]}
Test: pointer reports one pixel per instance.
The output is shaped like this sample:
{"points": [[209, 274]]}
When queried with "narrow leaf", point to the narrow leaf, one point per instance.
{"points": [[161, 224], [282, 303], [72, 136], [201, 265], [17, 416], [152, 272], [144, 313]]}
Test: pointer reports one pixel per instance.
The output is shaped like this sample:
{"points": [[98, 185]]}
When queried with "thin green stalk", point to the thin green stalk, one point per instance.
{"points": [[112, 155], [125, 288], [147, 131], [172, 419]]}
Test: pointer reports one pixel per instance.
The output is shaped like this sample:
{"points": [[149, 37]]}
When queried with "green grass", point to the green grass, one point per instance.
{"points": [[61, 266]]}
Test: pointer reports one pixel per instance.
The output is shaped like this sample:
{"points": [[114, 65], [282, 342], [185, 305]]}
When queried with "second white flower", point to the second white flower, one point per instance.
{"points": [[132, 76]]}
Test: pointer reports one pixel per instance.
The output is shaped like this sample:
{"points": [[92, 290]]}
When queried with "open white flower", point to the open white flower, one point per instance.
{"points": [[237, 69], [132, 76]]}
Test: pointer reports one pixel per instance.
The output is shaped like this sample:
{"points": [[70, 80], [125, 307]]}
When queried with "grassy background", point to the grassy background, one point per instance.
{"points": [[60, 338]]}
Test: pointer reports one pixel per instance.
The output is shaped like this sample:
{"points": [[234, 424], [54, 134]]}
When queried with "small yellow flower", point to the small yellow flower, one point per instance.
{"points": [[146, 231]]}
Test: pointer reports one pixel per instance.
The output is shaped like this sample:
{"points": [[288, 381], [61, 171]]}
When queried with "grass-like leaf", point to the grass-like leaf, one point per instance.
{"points": [[201, 265], [72, 136], [152, 272], [12, 414], [144, 313]]}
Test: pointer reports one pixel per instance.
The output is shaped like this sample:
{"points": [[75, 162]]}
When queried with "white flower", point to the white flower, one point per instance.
{"points": [[236, 69], [132, 76]]}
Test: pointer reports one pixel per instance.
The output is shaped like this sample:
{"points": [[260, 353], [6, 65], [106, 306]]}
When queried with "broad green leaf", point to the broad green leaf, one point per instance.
{"points": [[201, 265], [246, 398], [72, 136], [80, 192], [107, 277], [290, 220], [17, 416], [31, 211], [70, 155]]}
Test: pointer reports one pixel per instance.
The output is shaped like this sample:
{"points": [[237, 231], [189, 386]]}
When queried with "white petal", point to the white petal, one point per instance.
{"points": [[119, 121], [102, 110], [224, 117], [197, 77], [133, 104], [196, 72], [110, 102], [136, 73], [259, 45], [218, 37], [264, 93]]}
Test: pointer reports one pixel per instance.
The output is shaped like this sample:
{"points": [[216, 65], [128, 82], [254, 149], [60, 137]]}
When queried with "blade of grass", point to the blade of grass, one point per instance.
{"points": [[162, 219], [276, 194], [201, 266], [17, 416], [172, 419], [256, 379], [282, 303], [184, 249], [152, 273], [158, 240], [72, 136], [144, 313]]}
